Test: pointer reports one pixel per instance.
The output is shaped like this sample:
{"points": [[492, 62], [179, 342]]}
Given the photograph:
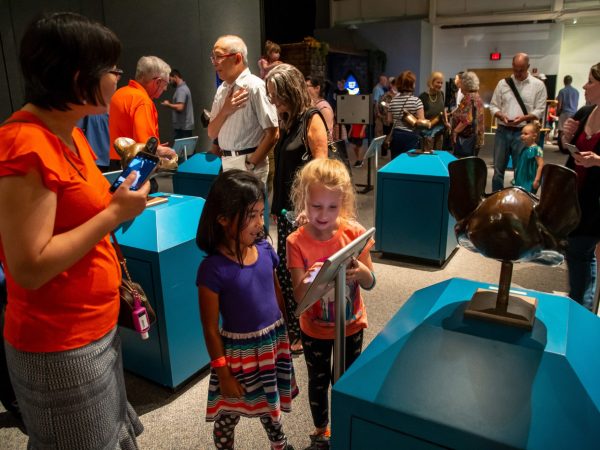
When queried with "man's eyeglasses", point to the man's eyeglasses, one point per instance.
{"points": [[161, 79], [216, 59], [117, 72]]}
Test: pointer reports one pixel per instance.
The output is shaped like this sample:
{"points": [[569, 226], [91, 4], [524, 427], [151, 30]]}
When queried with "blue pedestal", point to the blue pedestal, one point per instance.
{"points": [[196, 175], [162, 256], [412, 218], [432, 379]]}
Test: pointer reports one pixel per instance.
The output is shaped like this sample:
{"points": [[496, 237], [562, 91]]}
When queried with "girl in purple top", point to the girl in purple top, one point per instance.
{"points": [[251, 369]]}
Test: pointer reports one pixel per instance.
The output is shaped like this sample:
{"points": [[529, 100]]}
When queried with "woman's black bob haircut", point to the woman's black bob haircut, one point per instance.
{"points": [[63, 56], [232, 195]]}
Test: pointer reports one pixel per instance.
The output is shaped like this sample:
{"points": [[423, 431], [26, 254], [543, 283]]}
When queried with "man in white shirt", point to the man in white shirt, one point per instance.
{"points": [[510, 115], [242, 118]]}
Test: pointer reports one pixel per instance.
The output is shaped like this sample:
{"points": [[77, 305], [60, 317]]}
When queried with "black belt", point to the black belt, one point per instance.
{"points": [[512, 128], [238, 152]]}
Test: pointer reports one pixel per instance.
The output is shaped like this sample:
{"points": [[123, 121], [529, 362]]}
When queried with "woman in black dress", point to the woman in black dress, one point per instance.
{"points": [[286, 89]]}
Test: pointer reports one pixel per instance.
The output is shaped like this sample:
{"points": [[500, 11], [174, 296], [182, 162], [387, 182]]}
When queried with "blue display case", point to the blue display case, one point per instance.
{"points": [[411, 217], [432, 379], [196, 175], [161, 253]]}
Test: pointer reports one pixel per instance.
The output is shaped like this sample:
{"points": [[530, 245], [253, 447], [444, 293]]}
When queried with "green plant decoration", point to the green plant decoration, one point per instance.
{"points": [[322, 48]]}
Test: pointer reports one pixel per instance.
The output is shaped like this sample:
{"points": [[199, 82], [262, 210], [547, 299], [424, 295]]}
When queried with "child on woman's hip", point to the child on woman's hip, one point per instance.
{"points": [[251, 369], [323, 192]]}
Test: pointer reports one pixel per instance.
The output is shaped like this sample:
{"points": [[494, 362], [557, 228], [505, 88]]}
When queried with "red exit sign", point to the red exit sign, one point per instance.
{"points": [[495, 56]]}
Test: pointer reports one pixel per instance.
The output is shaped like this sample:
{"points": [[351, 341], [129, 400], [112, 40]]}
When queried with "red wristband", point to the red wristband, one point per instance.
{"points": [[219, 362]]}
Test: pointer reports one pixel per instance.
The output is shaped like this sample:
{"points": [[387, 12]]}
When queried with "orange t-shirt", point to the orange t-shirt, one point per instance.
{"points": [[81, 304], [303, 251], [132, 114]]}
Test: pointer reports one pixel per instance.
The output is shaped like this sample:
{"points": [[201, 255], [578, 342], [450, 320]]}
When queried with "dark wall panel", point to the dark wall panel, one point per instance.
{"points": [[182, 33]]}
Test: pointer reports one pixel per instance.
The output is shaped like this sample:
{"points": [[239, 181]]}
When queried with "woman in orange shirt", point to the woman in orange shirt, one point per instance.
{"points": [[62, 273]]}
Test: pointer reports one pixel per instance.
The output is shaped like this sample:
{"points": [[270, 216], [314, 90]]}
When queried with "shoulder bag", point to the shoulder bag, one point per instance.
{"points": [[335, 150], [132, 296], [386, 145]]}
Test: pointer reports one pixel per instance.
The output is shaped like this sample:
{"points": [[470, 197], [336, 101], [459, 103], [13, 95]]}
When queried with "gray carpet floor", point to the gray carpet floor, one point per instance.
{"points": [[176, 420]]}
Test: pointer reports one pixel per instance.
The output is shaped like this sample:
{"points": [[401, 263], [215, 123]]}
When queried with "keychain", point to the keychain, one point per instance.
{"points": [[140, 316]]}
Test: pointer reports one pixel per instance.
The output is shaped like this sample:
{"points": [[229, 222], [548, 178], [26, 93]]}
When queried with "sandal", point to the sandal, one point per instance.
{"points": [[296, 347]]}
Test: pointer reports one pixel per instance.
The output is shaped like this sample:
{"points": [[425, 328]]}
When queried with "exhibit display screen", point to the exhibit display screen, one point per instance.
{"points": [[330, 268]]}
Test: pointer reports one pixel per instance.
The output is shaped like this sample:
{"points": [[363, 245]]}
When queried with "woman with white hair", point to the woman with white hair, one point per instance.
{"points": [[433, 106], [467, 119]]}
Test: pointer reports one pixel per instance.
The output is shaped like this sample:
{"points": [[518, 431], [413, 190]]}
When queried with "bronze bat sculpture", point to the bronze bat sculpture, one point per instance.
{"points": [[511, 225], [127, 148]]}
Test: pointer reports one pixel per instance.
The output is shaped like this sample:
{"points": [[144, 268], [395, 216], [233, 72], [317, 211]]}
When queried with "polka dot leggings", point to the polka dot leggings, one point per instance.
{"points": [[224, 429], [284, 229]]}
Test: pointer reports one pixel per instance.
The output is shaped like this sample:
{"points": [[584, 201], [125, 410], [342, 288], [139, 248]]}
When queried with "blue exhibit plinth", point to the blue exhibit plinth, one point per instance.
{"points": [[161, 253], [196, 175], [432, 379], [412, 218]]}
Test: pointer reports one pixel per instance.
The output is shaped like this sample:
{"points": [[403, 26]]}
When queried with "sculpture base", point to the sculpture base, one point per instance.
{"points": [[520, 311], [422, 152]]}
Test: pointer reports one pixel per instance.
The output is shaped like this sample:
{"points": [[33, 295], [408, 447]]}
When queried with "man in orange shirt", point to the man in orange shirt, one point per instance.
{"points": [[132, 112]]}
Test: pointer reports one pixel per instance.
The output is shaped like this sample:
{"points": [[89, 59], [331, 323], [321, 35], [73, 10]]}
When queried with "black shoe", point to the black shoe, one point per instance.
{"points": [[358, 164], [319, 442]]}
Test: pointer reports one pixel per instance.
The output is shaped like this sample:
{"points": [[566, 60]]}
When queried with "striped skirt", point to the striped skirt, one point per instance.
{"points": [[75, 399], [262, 363]]}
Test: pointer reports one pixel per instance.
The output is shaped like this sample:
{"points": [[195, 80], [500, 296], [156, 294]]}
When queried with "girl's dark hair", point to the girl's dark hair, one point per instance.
{"points": [[63, 56], [232, 195]]}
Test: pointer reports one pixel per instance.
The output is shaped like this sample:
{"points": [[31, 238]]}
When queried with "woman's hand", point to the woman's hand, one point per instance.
{"points": [[586, 159], [127, 204], [536, 184], [569, 129]]}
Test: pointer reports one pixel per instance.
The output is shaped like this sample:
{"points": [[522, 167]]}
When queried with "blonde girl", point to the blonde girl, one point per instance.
{"points": [[324, 194]]}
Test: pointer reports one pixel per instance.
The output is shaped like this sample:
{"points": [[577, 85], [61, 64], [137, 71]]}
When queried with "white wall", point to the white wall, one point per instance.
{"points": [[580, 50], [457, 49]]}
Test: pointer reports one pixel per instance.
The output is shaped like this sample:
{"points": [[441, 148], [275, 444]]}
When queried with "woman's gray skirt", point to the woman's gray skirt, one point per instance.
{"points": [[75, 399]]}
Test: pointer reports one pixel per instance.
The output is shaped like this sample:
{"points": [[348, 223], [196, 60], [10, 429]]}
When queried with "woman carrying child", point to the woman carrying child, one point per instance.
{"points": [[251, 366], [324, 193]]}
